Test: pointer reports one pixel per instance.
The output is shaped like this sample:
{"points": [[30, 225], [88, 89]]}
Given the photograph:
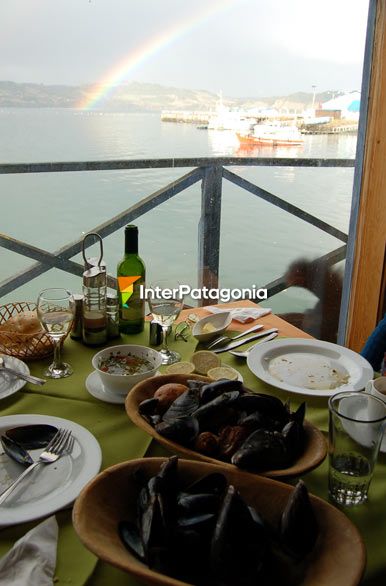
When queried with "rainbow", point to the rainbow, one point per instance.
{"points": [[121, 70]]}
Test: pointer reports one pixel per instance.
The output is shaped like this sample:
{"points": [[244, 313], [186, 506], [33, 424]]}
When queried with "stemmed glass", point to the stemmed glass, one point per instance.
{"points": [[165, 306], [55, 309]]}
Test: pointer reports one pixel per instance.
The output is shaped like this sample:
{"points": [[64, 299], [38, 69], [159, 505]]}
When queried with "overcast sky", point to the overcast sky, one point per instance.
{"points": [[242, 47]]}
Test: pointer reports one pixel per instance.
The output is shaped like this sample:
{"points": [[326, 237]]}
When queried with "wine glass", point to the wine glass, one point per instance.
{"points": [[56, 309], [165, 305]]}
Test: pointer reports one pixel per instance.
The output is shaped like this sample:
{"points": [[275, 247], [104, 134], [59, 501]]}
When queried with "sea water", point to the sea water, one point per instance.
{"points": [[258, 240]]}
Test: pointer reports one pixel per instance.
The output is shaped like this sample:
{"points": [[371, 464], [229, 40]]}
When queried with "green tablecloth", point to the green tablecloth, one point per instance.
{"points": [[120, 440]]}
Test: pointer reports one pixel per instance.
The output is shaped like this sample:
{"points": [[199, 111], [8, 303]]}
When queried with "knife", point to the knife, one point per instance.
{"points": [[245, 341], [27, 377]]}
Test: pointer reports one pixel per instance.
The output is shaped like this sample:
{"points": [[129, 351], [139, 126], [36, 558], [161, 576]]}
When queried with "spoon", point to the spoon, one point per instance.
{"points": [[15, 451], [27, 377]]}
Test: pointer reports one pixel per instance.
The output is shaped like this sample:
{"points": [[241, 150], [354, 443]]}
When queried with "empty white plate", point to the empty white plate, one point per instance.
{"points": [[309, 367]]}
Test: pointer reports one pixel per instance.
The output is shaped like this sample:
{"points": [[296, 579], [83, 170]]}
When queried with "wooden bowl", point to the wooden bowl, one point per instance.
{"points": [[338, 556], [315, 445]]}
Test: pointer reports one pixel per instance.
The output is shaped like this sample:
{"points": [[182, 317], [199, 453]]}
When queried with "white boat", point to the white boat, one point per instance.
{"points": [[226, 119], [271, 135]]}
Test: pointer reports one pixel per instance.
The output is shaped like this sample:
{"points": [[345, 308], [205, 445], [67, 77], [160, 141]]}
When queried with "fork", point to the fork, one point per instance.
{"points": [[62, 443], [245, 354], [224, 339], [27, 377]]}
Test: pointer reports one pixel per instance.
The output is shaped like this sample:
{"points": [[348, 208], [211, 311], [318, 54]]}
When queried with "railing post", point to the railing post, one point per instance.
{"points": [[209, 229]]}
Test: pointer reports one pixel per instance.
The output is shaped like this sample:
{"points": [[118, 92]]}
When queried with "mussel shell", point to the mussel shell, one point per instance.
{"points": [[212, 390], [299, 414], [149, 407], [15, 451], [183, 430], [293, 434], [298, 525], [214, 483], [183, 406], [265, 404], [263, 450], [239, 542], [32, 437], [131, 538], [192, 504], [217, 412]]}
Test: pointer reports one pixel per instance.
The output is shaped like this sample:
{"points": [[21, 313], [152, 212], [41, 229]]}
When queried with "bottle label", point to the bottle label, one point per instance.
{"points": [[132, 307]]}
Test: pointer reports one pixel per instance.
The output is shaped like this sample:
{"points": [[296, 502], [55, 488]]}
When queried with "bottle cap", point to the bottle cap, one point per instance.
{"points": [[131, 239]]}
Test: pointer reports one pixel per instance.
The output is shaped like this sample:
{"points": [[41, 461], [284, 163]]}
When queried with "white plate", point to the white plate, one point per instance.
{"points": [[9, 384], [52, 487], [96, 388], [297, 365]]}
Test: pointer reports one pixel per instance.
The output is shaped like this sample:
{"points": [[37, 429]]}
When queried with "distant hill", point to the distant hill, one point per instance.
{"points": [[143, 97]]}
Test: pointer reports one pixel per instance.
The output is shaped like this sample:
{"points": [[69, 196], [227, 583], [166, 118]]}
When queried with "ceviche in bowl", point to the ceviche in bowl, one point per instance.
{"points": [[121, 367]]}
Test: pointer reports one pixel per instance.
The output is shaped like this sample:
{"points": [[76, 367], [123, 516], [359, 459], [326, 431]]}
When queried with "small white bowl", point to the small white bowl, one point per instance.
{"points": [[220, 321], [120, 384]]}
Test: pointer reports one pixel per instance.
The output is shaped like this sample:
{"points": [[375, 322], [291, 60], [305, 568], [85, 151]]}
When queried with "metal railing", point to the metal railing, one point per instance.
{"points": [[210, 172]]}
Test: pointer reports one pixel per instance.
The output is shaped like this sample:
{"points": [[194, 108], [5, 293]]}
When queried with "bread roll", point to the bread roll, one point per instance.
{"points": [[25, 323]]}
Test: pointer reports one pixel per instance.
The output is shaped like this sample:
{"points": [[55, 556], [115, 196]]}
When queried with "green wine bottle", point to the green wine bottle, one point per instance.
{"points": [[131, 275]]}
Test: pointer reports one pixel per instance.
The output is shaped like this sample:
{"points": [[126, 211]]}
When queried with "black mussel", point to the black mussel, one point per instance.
{"points": [[191, 555], [155, 529], [239, 543], [183, 406], [155, 537], [263, 450], [217, 412], [131, 538], [192, 504], [168, 488], [214, 483], [212, 390], [149, 407], [299, 414], [298, 525], [293, 434], [259, 420], [201, 522], [15, 451], [195, 385], [265, 404], [154, 419], [32, 437], [183, 430]]}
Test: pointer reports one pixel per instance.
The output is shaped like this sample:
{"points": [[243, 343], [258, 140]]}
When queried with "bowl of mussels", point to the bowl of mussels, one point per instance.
{"points": [[178, 522], [224, 422]]}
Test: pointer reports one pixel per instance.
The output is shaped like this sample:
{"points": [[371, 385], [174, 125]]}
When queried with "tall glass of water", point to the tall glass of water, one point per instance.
{"points": [[56, 309], [356, 428], [165, 305]]}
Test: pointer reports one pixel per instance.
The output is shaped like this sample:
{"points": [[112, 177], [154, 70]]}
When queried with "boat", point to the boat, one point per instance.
{"points": [[271, 135], [225, 118]]}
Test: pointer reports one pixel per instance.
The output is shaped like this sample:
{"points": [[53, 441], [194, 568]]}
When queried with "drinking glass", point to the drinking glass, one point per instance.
{"points": [[56, 310], [165, 305], [356, 427]]}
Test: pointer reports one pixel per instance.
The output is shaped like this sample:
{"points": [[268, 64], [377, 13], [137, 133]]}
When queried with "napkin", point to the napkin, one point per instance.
{"points": [[242, 314], [32, 559]]}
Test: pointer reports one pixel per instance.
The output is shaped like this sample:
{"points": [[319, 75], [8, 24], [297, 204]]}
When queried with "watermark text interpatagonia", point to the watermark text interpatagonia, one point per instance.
{"points": [[224, 295]]}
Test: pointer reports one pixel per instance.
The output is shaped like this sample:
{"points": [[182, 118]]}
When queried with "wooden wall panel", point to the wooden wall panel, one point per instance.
{"points": [[369, 260]]}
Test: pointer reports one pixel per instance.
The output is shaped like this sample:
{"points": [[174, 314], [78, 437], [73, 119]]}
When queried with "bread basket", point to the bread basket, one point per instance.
{"points": [[23, 346]]}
